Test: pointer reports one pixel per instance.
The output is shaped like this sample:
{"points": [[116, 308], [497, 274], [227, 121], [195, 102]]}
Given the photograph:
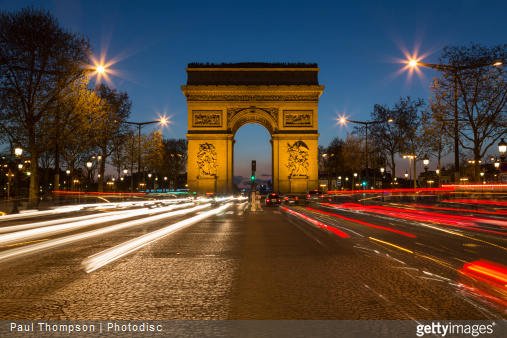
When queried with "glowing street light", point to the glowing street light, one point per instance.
{"points": [[502, 148], [426, 161]]}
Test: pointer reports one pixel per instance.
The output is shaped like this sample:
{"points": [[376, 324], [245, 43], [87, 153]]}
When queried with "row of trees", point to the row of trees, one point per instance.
{"points": [[411, 127], [48, 108]]}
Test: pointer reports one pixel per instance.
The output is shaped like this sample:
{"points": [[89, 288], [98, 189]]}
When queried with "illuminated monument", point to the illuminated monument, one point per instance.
{"points": [[281, 97]]}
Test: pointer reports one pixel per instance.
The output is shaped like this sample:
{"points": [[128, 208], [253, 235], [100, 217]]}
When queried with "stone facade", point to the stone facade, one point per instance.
{"points": [[281, 97]]}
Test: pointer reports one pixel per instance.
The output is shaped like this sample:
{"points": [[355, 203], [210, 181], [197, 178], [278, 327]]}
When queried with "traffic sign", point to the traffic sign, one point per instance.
{"points": [[503, 167]]}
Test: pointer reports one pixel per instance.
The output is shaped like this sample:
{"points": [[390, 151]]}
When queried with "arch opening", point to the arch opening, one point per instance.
{"points": [[252, 141]]}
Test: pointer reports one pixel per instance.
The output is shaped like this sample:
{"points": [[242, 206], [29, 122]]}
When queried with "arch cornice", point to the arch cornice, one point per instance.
{"points": [[252, 93]]}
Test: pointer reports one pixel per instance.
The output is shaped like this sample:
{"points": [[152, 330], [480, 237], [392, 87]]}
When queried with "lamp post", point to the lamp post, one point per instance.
{"points": [[18, 151], [326, 170], [438, 177], [149, 182], [89, 165], [454, 70], [410, 157], [165, 180], [406, 176], [125, 171], [99, 157], [139, 126], [68, 179], [382, 169], [365, 124], [426, 161], [502, 148], [353, 181]]}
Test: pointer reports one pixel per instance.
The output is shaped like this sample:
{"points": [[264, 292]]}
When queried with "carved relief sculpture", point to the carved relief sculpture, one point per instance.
{"points": [[294, 118], [203, 118], [298, 159], [207, 160]]}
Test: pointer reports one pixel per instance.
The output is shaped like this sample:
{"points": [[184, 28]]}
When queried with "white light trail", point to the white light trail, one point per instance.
{"points": [[53, 243], [96, 261], [31, 234], [70, 221], [80, 207]]}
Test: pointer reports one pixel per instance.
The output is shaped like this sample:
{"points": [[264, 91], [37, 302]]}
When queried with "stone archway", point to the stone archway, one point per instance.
{"points": [[281, 97]]}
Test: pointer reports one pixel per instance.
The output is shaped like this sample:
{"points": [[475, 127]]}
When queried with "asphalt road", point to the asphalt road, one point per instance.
{"points": [[320, 263]]}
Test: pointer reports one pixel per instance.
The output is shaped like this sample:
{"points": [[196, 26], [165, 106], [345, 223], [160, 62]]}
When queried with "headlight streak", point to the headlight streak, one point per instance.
{"points": [[80, 207], [38, 247], [105, 257], [21, 227], [317, 223], [136, 212], [52, 230]]}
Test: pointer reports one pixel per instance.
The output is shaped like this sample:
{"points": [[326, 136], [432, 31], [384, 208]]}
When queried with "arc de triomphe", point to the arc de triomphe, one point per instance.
{"points": [[281, 97]]}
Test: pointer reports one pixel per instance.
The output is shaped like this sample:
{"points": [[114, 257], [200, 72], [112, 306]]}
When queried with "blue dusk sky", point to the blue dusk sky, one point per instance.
{"points": [[359, 46]]}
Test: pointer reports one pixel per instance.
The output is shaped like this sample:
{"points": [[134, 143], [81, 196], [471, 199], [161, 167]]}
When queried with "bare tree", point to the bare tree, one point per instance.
{"points": [[111, 132], [38, 60], [175, 158], [479, 88]]}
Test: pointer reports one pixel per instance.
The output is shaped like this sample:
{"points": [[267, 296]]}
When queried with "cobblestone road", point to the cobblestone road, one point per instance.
{"points": [[235, 265]]}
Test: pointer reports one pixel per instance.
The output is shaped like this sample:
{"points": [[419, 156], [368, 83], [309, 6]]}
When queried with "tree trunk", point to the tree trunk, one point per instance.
{"points": [[102, 168], [33, 192], [56, 182]]}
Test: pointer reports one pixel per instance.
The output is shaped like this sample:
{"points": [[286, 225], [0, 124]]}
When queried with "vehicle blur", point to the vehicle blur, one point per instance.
{"points": [[314, 196], [291, 199], [273, 200]]}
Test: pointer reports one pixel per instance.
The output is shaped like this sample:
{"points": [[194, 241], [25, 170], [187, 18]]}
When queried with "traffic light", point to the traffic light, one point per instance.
{"points": [[254, 165], [364, 183], [253, 176]]}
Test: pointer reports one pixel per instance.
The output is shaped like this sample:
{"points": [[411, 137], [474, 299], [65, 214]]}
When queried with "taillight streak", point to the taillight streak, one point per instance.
{"points": [[464, 222], [317, 223], [364, 223]]}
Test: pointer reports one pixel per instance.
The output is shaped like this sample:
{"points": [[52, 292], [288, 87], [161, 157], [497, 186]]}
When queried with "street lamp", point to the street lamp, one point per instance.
{"points": [[353, 181], [68, 182], [149, 181], [139, 126], [406, 176], [89, 165], [426, 161], [502, 148], [454, 70], [18, 151], [365, 124], [165, 180], [410, 157], [125, 171]]}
